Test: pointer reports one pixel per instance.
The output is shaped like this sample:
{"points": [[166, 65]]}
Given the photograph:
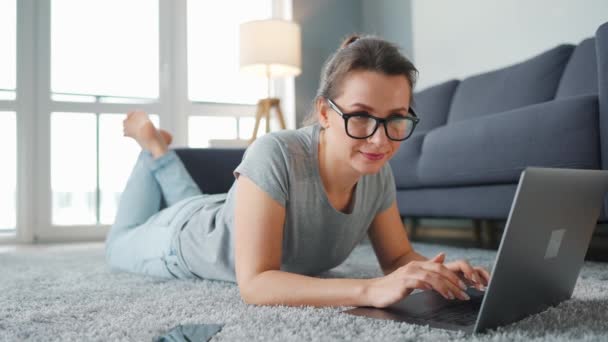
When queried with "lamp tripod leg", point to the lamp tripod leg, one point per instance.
{"points": [[263, 110], [267, 116], [258, 116], [280, 116]]}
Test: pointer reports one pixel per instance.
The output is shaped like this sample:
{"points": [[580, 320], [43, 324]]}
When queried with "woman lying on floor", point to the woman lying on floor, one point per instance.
{"points": [[302, 199]]}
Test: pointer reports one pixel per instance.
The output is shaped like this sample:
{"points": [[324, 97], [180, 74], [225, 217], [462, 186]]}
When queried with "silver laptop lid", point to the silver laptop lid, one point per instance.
{"points": [[550, 224]]}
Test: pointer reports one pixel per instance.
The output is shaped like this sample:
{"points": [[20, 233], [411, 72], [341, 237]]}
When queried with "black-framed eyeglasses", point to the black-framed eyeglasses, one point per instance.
{"points": [[362, 125]]}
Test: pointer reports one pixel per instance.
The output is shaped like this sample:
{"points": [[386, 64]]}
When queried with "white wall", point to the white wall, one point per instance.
{"points": [[389, 19], [455, 39]]}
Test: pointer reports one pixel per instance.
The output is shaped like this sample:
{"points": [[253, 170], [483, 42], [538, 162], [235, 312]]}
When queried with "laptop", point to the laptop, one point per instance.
{"points": [[547, 234]]}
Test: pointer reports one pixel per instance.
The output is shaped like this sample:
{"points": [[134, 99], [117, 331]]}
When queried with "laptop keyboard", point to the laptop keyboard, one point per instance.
{"points": [[464, 313]]}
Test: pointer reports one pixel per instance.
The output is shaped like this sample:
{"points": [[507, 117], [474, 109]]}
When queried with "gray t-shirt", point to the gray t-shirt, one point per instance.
{"points": [[316, 236]]}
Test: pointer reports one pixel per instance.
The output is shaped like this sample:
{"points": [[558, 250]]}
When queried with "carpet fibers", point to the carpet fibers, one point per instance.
{"points": [[70, 295]]}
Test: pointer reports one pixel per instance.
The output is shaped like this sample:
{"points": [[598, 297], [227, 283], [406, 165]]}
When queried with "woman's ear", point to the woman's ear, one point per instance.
{"points": [[322, 109]]}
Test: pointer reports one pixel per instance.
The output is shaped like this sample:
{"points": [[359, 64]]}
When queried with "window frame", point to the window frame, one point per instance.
{"points": [[283, 89], [33, 107], [24, 121]]}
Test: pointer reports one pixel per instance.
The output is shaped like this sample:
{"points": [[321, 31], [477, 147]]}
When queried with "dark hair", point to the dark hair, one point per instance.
{"points": [[360, 53]]}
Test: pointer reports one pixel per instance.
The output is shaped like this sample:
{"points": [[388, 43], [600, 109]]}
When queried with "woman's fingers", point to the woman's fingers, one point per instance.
{"points": [[420, 276], [440, 284], [443, 278], [485, 275], [464, 267], [446, 273], [413, 283], [439, 258]]}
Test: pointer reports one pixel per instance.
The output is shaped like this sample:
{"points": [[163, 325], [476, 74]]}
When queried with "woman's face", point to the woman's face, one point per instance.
{"points": [[379, 95]]}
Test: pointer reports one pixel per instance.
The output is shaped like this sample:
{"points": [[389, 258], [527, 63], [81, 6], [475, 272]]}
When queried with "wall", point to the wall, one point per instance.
{"points": [[325, 23], [445, 39], [389, 19], [455, 39]]}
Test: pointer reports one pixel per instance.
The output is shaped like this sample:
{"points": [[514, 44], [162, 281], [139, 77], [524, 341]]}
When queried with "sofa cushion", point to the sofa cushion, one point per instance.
{"points": [[580, 75], [481, 202], [532, 81], [405, 162], [432, 105], [495, 149]]}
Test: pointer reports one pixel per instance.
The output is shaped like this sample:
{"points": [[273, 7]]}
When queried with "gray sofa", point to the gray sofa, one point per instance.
{"points": [[476, 135]]}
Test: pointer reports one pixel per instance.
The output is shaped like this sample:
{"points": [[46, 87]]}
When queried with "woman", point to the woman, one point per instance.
{"points": [[302, 199]]}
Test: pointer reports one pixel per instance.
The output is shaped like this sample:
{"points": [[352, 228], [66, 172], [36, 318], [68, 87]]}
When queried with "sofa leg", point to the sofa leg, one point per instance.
{"points": [[477, 225], [488, 231], [493, 234]]}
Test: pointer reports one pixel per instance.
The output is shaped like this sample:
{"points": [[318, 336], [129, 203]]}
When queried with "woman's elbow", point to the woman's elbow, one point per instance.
{"points": [[248, 295], [253, 293], [245, 296]]}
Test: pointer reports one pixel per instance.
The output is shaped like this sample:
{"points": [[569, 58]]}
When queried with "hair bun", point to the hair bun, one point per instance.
{"points": [[349, 40]]}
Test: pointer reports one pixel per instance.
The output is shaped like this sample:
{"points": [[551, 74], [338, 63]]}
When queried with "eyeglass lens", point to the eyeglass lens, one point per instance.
{"points": [[362, 127]]}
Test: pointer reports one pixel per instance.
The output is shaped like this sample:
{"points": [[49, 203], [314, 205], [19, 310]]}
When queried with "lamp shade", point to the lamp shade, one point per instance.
{"points": [[270, 48]]}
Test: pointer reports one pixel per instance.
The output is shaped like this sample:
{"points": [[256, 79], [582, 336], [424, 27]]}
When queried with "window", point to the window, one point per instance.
{"points": [[222, 99], [8, 55], [86, 191], [8, 171], [105, 48], [81, 66], [246, 126], [73, 164], [95, 63], [8, 118], [213, 55], [202, 129]]}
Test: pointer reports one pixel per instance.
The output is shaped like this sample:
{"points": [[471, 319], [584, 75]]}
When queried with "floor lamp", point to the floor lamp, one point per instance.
{"points": [[270, 48]]}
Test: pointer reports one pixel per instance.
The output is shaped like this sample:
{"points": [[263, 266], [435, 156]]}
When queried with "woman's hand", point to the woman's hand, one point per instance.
{"points": [[424, 275], [478, 276]]}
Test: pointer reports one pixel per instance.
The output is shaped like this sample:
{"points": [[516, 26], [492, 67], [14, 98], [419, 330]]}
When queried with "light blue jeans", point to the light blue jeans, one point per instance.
{"points": [[142, 236]]}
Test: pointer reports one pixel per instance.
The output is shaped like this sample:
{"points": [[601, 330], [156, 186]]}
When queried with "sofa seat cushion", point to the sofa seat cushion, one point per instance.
{"points": [[481, 202], [495, 148], [530, 82]]}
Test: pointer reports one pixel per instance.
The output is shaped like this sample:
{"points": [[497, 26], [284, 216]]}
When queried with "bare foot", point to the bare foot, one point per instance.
{"points": [[167, 137], [138, 126]]}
